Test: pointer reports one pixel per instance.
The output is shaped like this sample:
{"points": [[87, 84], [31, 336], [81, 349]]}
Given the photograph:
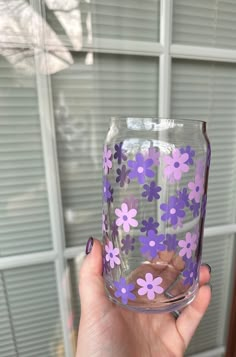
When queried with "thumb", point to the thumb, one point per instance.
{"points": [[91, 286]]}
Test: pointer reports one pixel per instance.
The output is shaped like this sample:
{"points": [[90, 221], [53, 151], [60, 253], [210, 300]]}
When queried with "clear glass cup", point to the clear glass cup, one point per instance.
{"points": [[155, 174]]}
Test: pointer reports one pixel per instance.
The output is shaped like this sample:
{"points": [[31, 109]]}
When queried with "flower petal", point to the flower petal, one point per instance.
{"points": [[126, 226], [183, 158], [132, 213], [124, 208], [150, 295], [119, 222], [149, 278], [141, 282], [142, 291]]}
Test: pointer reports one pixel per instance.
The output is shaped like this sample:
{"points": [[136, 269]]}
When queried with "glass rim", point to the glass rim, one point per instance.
{"points": [[160, 119]]}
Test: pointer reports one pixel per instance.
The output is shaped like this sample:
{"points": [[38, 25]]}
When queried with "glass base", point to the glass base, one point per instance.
{"points": [[176, 294]]}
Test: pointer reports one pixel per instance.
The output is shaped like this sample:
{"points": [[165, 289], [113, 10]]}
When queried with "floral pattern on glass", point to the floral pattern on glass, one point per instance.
{"points": [[126, 217], [150, 286], [140, 168], [196, 189], [188, 245], [112, 254], [149, 225], [124, 290], [151, 191], [127, 244], [191, 153], [190, 273], [119, 154], [152, 244], [122, 176], [154, 155], [174, 209], [175, 165], [107, 160]]}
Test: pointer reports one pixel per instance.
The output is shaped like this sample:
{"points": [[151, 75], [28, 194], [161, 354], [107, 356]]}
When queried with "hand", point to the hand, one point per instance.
{"points": [[107, 330]]}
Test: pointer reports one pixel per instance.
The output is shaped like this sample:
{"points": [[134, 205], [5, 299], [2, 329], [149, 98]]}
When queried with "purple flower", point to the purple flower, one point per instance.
{"points": [[128, 244], [154, 155], [152, 244], [196, 188], [111, 255], [107, 190], [176, 165], [119, 154], [183, 196], [203, 208], [190, 152], [122, 176], [123, 290], [104, 222], [149, 225], [151, 191], [188, 245], [171, 242], [131, 202], [150, 286], [173, 210], [126, 217], [114, 230], [107, 163], [140, 168], [195, 208], [190, 273]]}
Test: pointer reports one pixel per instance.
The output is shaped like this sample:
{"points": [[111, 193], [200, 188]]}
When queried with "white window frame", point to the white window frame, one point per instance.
{"points": [[165, 51]]}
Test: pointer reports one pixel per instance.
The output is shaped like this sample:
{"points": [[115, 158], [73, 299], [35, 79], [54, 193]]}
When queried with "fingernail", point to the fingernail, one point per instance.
{"points": [[208, 267], [89, 245]]}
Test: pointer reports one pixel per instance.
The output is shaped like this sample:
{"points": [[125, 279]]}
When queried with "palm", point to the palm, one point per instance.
{"points": [[109, 330]]}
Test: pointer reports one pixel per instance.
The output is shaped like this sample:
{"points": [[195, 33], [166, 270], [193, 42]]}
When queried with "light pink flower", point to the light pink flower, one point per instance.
{"points": [[111, 255], [196, 188], [150, 286], [188, 245], [175, 165], [126, 217], [107, 163]]}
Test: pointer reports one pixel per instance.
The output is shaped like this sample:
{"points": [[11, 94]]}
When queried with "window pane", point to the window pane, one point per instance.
{"points": [[205, 22], [33, 309], [206, 91], [24, 214], [128, 20], [85, 97]]}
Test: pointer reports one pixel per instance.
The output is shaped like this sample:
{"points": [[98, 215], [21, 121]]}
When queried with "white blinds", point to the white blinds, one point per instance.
{"points": [[205, 23], [85, 97], [31, 299], [24, 217], [206, 91], [129, 20]]}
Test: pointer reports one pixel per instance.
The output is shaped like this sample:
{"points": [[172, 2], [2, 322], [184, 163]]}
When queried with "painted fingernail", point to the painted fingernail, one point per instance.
{"points": [[208, 267], [89, 245]]}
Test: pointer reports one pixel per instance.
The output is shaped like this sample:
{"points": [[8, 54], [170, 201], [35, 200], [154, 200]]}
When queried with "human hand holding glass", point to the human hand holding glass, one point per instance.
{"points": [[107, 329]]}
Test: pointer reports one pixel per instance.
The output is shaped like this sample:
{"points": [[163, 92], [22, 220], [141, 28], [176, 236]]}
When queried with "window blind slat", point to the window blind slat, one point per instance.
{"points": [[24, 214]]}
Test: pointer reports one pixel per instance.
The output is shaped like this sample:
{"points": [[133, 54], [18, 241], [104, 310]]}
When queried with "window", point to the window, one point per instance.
{"points": [[65, 69]]}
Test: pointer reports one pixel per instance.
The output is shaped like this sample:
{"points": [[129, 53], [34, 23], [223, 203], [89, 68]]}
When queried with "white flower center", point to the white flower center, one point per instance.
{"points": [[172, 211], [152, 243], [140, 169], [123, 290]]}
